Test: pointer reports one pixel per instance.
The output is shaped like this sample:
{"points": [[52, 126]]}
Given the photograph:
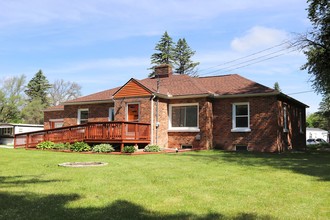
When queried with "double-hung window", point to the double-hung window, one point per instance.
{"points": [[285, 119], [111, 114], [241, 117], [82, 116], [184, 117]]}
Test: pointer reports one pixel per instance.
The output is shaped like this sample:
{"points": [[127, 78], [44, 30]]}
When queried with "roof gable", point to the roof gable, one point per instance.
{"points": [[132, 89]]}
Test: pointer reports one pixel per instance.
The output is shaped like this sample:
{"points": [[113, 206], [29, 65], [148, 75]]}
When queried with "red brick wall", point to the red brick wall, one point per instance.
{"points": [[161, 138], [202, 139], [52, 115], [263, 124], [96, 113], [294, 138], [215, 122]]}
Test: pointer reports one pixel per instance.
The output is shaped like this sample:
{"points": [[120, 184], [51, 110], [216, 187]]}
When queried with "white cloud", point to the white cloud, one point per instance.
{"points": [[259, 37], [101, 64]]}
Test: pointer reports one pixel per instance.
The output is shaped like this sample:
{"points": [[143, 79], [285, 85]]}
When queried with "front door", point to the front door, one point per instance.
{"points": [[133, 112]]}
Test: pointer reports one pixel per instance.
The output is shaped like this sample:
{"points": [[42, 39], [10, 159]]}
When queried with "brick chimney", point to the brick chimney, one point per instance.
{"points": [[163, 70]]}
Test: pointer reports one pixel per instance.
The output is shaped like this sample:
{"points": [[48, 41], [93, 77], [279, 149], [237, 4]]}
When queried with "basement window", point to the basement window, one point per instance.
{"points": [[186, 146], [241, 147]]}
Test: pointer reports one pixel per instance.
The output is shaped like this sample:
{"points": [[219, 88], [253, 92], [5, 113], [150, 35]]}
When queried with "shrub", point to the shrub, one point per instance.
{"points": [[320, 146], [80, 146], [103, 148], [152, 148], [45, 145], [129, 149], [62, 146]]}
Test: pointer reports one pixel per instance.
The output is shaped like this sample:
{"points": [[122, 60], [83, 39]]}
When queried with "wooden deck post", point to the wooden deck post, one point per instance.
{"points": [[136, 131], [123, 131]]}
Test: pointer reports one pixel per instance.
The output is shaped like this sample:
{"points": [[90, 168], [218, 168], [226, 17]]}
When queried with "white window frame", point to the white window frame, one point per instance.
{"points": [[60, 120], [285, 119], [240, 129], [126, 110], [300, 122], [79, 114], [111, 111], [183, 129]]}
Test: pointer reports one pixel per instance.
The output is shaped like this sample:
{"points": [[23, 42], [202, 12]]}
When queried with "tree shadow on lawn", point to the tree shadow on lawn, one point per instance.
{"points": [[31, 206], [316, 164], [13, 181]]}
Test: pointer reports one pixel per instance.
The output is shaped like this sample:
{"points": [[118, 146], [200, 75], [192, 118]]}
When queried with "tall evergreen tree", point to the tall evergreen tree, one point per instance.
{"points": [[182, 59], [277, 86], [38, 87], [165, 52]]}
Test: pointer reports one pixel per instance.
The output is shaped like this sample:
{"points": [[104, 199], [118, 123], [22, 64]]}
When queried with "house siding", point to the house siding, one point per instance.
{"points": [[132, 89]]}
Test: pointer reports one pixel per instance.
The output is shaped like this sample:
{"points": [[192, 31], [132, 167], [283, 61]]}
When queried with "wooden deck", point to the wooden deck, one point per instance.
{"points": [[92, 132]]}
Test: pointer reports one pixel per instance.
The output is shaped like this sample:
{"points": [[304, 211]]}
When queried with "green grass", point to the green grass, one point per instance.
{"points": [[194, 185]]}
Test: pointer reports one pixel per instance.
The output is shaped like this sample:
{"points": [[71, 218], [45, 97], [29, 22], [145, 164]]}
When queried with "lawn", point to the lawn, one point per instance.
{"points": [[193, 185]]}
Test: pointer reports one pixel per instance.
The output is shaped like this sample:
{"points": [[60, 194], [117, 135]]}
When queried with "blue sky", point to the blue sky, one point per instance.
{"points": [[101, 44]]}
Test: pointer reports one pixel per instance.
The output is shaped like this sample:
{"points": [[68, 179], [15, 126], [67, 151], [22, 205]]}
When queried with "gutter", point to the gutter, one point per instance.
{"points": [[212, 95], [88, 102]]}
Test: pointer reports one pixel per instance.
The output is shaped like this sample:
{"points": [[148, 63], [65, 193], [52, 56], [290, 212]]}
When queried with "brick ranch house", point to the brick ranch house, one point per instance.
{"points": [[223, 112]]}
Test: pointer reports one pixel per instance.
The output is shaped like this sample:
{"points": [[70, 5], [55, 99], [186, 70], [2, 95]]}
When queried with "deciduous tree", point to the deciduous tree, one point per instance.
{"points": [[12, 99], [33, 112], [61, 91], [316, 45]]}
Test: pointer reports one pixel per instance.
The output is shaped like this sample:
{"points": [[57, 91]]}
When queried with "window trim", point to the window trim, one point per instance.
{"points": [[110, 118], [240, 129], [79, 115], [59, 120], [285, 119], [182, 129], [126, 110], [300, 122]]}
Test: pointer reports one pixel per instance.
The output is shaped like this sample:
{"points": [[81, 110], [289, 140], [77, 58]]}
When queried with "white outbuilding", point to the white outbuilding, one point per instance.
{"points": [[8, 131], [317, 133]]}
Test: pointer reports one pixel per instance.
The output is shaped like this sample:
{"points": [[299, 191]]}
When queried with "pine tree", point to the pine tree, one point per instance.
{"points": [[165, 54], [37, 88], [182, 59], [277, 86]]}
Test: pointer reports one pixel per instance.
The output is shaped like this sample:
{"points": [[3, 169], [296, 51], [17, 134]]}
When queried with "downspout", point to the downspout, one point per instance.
{"points": [[152, 119], [157, 115], [157, 122]]}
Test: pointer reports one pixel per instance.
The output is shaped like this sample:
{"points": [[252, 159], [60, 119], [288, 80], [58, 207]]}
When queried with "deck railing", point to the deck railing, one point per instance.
{"points": [[93, 132]]}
